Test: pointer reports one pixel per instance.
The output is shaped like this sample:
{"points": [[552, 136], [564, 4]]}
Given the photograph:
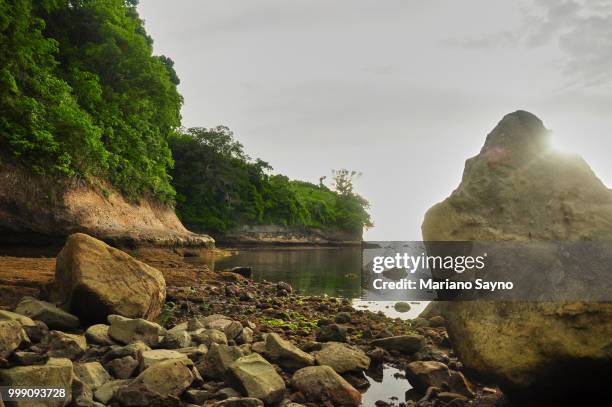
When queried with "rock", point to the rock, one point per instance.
{"points": [[194, 352], [319, 383], [342, 357], [11, 337], [134, 350], [13, 316], [123, 367], [401, 306], [183, 326], [197, 397], [377, 356], [63, 345], [55, 373], [162, 382], [405, 344], [331, 333], [239, 402], [105, 393], [257, 378], [422, 375], [82, 395], [176, 340], [29, 358], [437, 321], [126, 330], [218, 360], [246, 336], [226, 393], [285, 354], [48, 313], [518, 188], [151, 357], [428, 353], [243, 271], [92, 374], [230, 328], [343, 317], [94, 280], [281, 285], [209, 336], [98, 335]]}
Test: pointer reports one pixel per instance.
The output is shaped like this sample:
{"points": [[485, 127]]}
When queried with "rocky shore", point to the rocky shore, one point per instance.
{"points": [[222, 340]]}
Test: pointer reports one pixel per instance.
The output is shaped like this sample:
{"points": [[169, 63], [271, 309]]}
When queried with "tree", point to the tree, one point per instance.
{"points": [[342, 180]]}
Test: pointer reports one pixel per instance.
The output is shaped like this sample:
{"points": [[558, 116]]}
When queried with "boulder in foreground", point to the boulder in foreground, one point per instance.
{"points": [[323, 383], [94, 280]]}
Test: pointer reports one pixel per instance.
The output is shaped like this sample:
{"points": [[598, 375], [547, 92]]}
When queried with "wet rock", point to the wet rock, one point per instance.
{"points": [[319, 383], [331, 333], [243, 271], [11, 337], [239, 402], [126, 330], [209, 336], [285, 354], [94, 280], [92, 374], [451, 399], [377, 356], [98, 335], [257, 378], [124, 367], [54, 373], [342, 357], [150, 357], [218, 360], [176, 340], [422, 375], [428, 353], [405, 344], [63, 345], [401, 306], [105, 393], [48, 313]]}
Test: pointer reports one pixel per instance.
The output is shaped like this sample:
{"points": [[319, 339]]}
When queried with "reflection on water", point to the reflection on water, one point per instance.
{"points": [[388, 384], [335, 271], [311, 271]]}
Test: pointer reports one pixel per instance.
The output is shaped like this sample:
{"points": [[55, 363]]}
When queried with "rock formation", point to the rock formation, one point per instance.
{"points": [[518, 188]]}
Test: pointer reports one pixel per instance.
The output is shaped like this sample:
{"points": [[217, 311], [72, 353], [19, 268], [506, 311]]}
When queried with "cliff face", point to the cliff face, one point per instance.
{"points": [[285, 235], [34, 209], [518, 189]]}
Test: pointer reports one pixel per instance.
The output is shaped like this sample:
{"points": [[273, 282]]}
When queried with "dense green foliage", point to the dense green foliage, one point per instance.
{"points": [[219, 187], [82, 94]]}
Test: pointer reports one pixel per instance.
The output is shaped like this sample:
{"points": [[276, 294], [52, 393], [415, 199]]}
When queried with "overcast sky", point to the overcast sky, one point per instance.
{"points": [[403, 91]]}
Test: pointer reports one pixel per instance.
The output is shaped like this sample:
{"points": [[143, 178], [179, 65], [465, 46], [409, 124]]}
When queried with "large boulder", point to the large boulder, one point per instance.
{"points": [[94, 280], [518, 188], [257, 378], [321, 383]]}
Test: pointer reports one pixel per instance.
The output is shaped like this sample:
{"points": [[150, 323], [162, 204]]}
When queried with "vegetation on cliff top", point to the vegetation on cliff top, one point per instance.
{"points": [[82, 95], [220, 187]]}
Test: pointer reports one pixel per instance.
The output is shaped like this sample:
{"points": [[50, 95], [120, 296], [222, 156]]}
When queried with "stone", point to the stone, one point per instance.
{"points": [[64, 345], [226, 393], [48, 313], [343, 317], [183, 326], [92, 374], [519, 188], [151, 357], [286, 354], [11, 337], [123, 367], [331, 333], [401, 306], [98, 335], [161, 383], [218, 360], [105, 393], [196, 396], [246, 336], [437, 321], [209, 336], [405, 344], [257, 378], [342, 357], [29, 358], [319, 383], [13, 316], [55, 373], [239, 402], [176, 339], [194, 352], [134, 350], [424, 374], [126, 330], [94, 280]]}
